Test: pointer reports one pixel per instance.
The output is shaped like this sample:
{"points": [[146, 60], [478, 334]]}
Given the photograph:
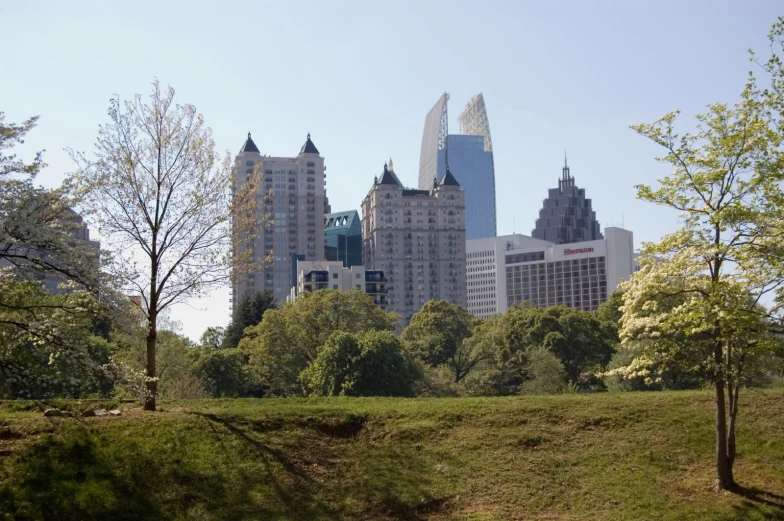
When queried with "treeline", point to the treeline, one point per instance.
{"points": [[330, 343]]}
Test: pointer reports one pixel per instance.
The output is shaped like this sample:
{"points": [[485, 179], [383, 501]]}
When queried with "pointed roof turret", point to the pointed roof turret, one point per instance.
{"points": [[448, 179], [388, 178], [309, 147], [249, 146]]}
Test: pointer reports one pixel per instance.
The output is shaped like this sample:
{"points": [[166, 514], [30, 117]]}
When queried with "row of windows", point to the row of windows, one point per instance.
{"points": [[525, 257]]}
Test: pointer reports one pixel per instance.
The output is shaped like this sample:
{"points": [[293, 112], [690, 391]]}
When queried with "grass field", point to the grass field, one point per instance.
{"points": [[631, 456]]}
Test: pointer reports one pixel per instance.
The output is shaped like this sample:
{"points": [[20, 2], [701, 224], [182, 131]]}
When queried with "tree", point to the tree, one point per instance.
{"points": [[290, 337], [364, 364], [224, 372], [726, 258], [163, 202], [212, 338], [47, 348], [436, 335], [545, 373], [576, 337], [36, 224], [248, 312], [502, 368]]}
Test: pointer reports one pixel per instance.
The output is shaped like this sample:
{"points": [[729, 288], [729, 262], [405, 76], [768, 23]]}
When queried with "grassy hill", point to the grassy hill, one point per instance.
{"points": [[631, 456]]}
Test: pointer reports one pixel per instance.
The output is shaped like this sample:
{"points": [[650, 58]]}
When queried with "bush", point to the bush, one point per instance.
{"points": [[546, 373]]}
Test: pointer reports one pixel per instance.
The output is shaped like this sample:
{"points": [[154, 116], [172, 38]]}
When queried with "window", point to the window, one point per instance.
{"points": [[334, 286], [359, 286], [358, 276], [334, 276]]}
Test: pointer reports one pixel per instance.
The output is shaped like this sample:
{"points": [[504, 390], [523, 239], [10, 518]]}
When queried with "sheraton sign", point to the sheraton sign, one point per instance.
{"points": [[575, 251]]}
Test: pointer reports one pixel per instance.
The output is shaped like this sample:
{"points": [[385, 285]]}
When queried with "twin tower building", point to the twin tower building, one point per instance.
{"points": [[435, 241]]}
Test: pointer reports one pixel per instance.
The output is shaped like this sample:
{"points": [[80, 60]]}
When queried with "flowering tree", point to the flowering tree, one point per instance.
{"points": [[36, 223], [47, 346], [711, 294], [163, 201]]}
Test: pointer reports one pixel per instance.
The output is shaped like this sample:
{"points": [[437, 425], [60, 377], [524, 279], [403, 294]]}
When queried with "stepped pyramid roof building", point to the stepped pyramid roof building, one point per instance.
{"points": [[566, 215]]}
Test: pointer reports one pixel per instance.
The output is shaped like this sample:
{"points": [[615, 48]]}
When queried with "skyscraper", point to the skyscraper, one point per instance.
{"points": [[469, 156], [417, 237], [343, 238], [566, 215], [292, 196]]}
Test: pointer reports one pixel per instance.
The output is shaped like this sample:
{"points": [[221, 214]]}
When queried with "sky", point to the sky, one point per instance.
{"points": [[359, 76]]}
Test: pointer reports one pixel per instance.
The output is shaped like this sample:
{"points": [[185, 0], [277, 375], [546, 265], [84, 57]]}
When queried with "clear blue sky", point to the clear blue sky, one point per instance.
{"points": [[361, 75]]}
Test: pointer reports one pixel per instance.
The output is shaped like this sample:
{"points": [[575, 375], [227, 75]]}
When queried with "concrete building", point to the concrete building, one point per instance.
{"points": [[292, 194], [313, 276], [343, 238], [417, 237], [502, 271], [469, 156], [566, 215]]}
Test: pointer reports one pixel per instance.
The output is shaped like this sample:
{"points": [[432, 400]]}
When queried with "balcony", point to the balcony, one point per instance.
{"points": [[316, 276]]}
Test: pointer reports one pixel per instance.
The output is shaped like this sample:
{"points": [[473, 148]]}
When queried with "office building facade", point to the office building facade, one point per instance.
{"points": [[417, 238], [343, 238], [290, 205], [469, 156], [502, 271], [313, 276], [566, 215]]}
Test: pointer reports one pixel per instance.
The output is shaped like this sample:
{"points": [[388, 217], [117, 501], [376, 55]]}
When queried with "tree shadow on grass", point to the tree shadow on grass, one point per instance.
{"points": [[292, 485], [77, 475], [387, 484], [758, 505]]}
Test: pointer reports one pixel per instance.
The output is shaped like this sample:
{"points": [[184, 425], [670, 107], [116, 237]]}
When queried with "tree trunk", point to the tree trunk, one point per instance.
{"points": [[725, 481], [152, 382]]}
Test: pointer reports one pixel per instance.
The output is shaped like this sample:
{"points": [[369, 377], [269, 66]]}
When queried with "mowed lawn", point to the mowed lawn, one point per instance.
{"points": [[630, 456]]}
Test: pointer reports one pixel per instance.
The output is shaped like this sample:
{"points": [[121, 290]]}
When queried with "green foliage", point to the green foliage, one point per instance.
{"points": [[579, 340], [248, 312], [364, 364], [47, 347], [545, 372], [436, 335], [176, 361], [502, 368], [696, 302], [212, 338], [224, 372], [290, 337]]}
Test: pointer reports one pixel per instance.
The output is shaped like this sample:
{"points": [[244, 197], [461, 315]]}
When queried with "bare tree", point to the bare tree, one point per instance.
{"points": [[164, 203]]}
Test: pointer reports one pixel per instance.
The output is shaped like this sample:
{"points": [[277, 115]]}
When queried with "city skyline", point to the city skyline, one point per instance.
{"points": [[556, 78]]}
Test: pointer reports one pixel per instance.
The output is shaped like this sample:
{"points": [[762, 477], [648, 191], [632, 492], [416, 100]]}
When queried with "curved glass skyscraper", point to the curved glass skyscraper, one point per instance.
{"points": [[470, 159]]}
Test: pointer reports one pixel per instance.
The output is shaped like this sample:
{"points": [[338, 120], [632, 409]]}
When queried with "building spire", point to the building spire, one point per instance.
{"points": [[391, 168], [566, 175]]}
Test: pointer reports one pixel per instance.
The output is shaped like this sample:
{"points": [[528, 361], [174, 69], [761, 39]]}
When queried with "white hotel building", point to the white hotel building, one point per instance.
{"points": [[502, 271]]}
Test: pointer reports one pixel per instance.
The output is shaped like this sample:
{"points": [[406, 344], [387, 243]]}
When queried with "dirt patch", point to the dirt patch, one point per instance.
{"points": [[590, 423], [9, 434], [344, 427]]}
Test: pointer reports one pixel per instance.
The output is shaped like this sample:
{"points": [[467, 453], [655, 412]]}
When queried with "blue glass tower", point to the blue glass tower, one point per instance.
{"points": [[472, 166], [470, 159]]}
